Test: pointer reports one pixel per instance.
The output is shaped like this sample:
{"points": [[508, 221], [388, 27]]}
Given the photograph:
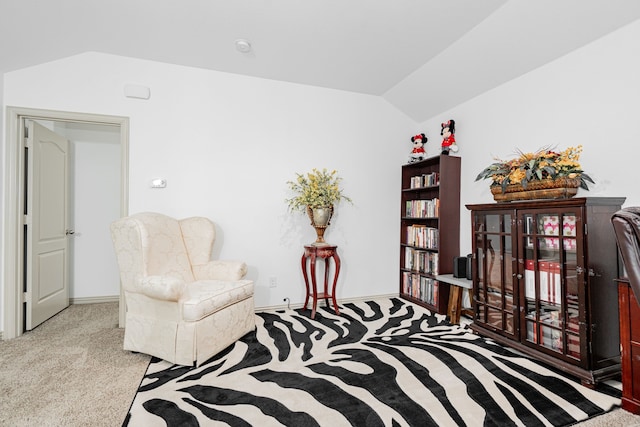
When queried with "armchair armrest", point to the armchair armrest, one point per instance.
{"points": [[166, 288], [220, 270]]}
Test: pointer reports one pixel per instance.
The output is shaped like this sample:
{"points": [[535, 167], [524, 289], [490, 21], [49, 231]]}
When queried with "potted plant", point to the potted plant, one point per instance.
{"points": [[315, 193], [542, 174]]}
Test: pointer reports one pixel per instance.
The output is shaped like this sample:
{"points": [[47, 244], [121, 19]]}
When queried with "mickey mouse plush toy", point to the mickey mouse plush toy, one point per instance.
{"points": [[448, 137], [418, 152]]}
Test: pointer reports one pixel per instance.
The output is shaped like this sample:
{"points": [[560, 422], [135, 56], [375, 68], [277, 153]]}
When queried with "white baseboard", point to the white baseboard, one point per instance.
{"points": [[94, 300], [116, 298], [321, 302]]}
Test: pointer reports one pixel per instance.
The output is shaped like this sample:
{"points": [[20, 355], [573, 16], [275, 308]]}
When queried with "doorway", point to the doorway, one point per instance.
{"points": [[15, 194]]}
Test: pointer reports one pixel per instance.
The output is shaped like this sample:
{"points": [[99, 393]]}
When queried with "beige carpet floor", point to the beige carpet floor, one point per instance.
{"points": [[72, 371]]}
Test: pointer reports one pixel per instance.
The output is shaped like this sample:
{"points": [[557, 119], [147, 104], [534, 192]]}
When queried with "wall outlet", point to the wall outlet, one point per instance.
{"points": [[273, 282]]}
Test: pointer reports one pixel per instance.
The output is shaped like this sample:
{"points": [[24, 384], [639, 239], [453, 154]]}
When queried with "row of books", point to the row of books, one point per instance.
{"points": [[422, 236], [422, 208], [422, 261], [552, 337], [425, 180], [549, 281], [420, 287], [545, 335], [555, 316], [568, 244], [550, 225]]}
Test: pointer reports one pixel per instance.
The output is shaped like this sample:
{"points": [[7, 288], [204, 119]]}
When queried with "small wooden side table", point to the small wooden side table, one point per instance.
{"points": [[458, 284], [325, 252]]}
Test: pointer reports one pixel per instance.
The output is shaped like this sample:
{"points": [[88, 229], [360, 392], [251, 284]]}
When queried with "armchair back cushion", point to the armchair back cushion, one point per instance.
{"points": [[164, 252], [198, 235]]}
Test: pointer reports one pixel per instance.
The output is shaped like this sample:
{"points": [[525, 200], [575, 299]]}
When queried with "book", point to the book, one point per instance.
{"points": [[529, 279], [555, 283], [544, 280], [532, 330], [569, 230], [551, 228]]}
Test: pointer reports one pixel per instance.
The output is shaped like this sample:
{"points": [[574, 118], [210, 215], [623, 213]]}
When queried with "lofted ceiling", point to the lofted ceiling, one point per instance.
{"points": [[423, 56]]}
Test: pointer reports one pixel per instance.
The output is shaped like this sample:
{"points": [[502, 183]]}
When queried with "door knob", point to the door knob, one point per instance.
{"points": [[70, 232]]}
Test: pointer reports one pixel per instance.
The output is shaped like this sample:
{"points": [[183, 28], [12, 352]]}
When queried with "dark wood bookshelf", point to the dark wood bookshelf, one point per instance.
{"points": [[417, 284]]}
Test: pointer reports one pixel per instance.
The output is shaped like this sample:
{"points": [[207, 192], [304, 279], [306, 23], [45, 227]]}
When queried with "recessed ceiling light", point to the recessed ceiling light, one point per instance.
{"points": [[243, 46]]}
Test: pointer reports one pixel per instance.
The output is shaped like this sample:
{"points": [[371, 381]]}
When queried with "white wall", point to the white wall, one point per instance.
{"points": [[590, 97], [227, 144], [96, 203]]}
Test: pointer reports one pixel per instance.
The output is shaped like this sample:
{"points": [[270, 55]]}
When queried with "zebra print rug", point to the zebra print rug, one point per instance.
{"points": [[380, 363]]}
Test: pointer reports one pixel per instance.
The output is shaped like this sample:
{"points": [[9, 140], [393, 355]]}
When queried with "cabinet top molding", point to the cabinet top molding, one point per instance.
{"points": [[527, 204]]}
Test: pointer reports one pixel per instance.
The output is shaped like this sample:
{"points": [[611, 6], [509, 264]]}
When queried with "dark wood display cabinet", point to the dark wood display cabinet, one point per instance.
{"points": [[543, 275], [430, 229]]}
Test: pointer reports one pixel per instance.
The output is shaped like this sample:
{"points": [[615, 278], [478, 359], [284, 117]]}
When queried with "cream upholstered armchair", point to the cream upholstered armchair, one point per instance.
{"points": [[180, 305]]}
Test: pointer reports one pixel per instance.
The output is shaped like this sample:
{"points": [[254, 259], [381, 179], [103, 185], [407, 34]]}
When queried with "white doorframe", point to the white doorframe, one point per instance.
{"points": [[14, 201]]}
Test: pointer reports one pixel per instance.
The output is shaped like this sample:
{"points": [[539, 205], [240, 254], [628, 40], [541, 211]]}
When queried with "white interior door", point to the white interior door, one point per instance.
{"points": [[47, 278]]}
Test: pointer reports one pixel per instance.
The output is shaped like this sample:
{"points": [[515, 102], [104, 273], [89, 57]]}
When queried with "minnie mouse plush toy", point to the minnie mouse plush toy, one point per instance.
{"points": [[418, 152], [448, 137]]}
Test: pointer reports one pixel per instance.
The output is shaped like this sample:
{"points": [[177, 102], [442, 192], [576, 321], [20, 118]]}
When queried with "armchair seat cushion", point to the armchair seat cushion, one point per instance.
{"points": [[205, 297]]}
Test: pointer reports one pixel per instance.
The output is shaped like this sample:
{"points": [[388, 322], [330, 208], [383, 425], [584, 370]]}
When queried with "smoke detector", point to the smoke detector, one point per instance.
{"points": [[243, 46]]}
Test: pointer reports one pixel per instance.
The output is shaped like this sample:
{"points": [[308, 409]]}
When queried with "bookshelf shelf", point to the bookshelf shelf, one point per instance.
{"points": [[430, 229]]}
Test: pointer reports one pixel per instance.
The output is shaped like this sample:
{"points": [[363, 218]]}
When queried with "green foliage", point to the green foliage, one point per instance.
{"points": [[318, 188]]}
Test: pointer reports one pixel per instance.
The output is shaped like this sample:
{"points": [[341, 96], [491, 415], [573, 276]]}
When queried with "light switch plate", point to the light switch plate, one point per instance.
{"points": [[158, 183]]}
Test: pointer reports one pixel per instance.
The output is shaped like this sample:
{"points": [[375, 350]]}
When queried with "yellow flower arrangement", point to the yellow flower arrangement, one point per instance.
{"points": [[316, 189], [544, 164]]}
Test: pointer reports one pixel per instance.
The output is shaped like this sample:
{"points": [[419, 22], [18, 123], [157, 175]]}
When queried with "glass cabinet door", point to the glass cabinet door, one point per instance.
{"points": [[495, 293], [551, 281]]}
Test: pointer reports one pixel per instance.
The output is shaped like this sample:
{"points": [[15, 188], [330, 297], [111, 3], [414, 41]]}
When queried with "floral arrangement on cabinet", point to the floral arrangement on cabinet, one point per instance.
{"points": [[543, 165]]}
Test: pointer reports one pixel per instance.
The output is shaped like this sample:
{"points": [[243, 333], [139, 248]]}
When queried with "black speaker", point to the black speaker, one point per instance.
{"points": [[460, 266], [469, 273]]}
